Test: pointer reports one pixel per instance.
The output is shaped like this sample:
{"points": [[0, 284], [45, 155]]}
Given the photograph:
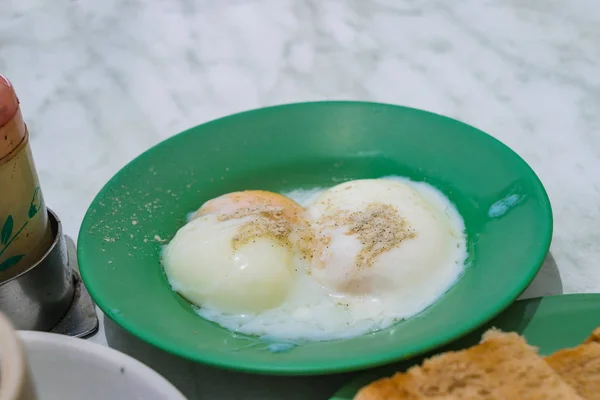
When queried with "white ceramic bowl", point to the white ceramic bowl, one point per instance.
{"points": [[64, 368]]}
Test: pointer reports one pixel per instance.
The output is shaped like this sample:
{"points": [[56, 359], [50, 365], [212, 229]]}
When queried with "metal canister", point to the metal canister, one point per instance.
{"points": [[41, 296], [25, 233]]}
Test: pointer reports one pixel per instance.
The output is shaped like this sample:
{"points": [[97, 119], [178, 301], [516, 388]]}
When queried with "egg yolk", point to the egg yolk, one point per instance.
{"points": [[269, 206], [252, 200]]}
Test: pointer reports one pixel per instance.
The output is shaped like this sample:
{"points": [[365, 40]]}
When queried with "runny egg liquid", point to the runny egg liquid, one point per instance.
{"points": [[353, 283]]}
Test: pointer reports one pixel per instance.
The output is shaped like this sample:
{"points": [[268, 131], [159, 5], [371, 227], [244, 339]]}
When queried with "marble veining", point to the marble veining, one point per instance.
{"points": [[101, 81]]}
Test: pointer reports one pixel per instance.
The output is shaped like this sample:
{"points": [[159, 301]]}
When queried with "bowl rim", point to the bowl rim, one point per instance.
{"points": [[452, 333], [105, 355]]}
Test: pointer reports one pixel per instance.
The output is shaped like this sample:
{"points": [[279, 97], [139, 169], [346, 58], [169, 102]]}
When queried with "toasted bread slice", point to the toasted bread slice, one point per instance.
{"points": [[580, 366], [518, 370], [502, 366]]}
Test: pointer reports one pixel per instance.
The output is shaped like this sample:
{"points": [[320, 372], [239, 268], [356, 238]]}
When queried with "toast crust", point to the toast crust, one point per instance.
{"points": [[502, 366]]}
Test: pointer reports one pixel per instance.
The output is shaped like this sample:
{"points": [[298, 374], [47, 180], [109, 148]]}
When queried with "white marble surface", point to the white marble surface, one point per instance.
{"points": [[104, 80]]}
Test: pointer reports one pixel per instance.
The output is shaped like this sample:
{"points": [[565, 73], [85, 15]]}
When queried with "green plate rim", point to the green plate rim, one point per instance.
{"points": [[344, 365]]}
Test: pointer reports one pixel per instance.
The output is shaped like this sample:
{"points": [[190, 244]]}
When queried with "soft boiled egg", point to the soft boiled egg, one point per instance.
{"points": [[239, 252], [383, 239]]}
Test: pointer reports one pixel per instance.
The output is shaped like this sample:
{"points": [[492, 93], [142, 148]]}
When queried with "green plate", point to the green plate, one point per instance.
{"points": [[504, 205], [549, 323]]}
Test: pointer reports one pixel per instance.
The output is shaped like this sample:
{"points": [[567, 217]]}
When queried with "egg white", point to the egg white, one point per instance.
{"points": [[201, 266]]}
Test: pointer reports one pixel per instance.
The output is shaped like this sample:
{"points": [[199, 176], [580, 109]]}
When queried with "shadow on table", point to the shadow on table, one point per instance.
{"points": [[547, 282], [198, 381]]}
